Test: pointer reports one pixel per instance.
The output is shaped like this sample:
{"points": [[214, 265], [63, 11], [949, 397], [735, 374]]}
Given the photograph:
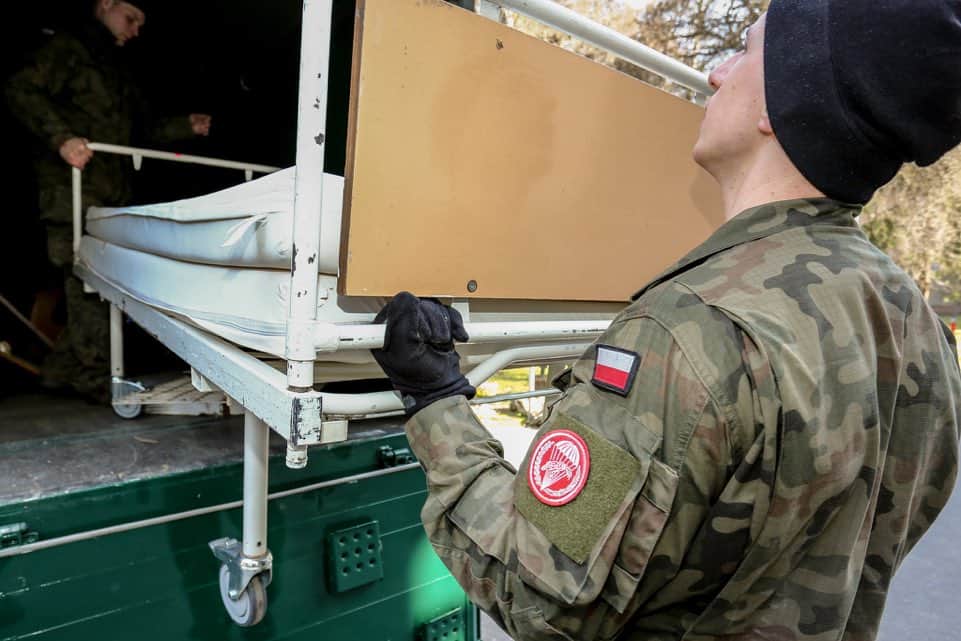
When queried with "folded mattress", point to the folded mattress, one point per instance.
{"points": [[248, 306], [245, 305], [249, 225]]}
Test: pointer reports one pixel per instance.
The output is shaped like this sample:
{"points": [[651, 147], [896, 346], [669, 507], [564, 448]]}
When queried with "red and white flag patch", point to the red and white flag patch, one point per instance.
{"points": [[559, 466], [615, 369]]}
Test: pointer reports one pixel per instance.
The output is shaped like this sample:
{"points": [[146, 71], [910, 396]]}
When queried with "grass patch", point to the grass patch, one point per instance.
{"points": [[508, 381], [513, 381]]}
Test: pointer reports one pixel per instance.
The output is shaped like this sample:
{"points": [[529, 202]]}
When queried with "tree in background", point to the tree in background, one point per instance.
{"points": [[700, 33], [915, 220]]}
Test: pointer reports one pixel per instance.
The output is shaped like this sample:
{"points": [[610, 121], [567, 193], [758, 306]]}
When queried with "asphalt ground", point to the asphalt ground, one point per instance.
{"points": [[923, 604]]}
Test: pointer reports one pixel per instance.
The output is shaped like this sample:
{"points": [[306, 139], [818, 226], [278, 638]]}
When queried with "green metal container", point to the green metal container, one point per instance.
{"points": [[161, 581]]}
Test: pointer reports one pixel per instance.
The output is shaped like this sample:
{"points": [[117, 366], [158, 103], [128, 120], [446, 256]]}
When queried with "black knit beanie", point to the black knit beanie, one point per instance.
{"points": [[855, 89]]}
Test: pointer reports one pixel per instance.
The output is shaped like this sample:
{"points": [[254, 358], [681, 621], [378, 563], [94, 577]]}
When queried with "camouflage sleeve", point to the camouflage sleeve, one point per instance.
{"points": [[915, 488], [578, 570], [153, 128], [170, 129], [33, 93]]}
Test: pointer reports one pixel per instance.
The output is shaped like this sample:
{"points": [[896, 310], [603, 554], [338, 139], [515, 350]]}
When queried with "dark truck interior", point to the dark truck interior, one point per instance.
{"points": [[236, 60]]}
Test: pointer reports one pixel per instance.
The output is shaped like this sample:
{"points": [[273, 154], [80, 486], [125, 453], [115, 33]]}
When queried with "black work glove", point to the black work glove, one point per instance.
{"points": [[418, 354]]}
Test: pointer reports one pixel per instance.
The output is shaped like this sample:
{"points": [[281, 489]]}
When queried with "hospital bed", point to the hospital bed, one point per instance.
{"points": [[484, 167]]}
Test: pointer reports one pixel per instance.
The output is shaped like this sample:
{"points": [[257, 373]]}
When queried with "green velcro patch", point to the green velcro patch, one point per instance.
{"points": [[577, 527]]}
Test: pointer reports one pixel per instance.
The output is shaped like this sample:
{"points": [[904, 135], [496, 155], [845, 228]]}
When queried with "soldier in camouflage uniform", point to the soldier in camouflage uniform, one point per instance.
{"points": [[759, 439], [76, 89]]}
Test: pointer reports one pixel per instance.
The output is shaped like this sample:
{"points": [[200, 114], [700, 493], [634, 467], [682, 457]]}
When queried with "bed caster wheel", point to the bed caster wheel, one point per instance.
{"points": [[128, 410], [250, 606], [120, 390]]}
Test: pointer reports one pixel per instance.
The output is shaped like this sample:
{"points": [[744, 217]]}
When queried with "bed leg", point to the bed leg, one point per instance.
{"points": [[77, 195], [119, 386], [116, 342], [256, 439], [246, 566]]}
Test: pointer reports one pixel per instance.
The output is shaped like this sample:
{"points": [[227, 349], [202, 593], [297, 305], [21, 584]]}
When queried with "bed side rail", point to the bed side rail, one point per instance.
{"points": [[137, 155], [553, 14]]}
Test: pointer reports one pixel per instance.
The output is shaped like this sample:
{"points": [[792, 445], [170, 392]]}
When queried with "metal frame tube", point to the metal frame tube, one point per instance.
{"points": [[137, 152], [572, 23], [332, 338], [519, 396], [500, 360], [77, 210], [378, 403], [116, 341], [308, 191], [256, 451]]}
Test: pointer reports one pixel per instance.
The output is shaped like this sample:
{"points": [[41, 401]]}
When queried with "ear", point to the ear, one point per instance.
{"points": [[764, 124]]}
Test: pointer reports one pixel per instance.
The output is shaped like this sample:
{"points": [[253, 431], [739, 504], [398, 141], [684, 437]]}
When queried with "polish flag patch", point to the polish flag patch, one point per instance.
{"points": [[615, 369], [559, 466]]}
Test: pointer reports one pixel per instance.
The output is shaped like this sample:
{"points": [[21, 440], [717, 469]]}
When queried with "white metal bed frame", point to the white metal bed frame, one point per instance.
{"points": [[288, 404]]}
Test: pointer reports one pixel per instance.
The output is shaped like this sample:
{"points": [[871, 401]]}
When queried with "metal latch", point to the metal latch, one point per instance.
{"points": [[16, 534], [389, 457]]}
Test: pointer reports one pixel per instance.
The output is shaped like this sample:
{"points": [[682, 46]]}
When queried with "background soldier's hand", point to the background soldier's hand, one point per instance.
{"points": [[418, 354], [200, 123], [75, 152]]}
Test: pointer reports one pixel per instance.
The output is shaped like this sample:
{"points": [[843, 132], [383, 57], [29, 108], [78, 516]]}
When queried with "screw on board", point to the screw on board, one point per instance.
{"points": [[472, 286]]}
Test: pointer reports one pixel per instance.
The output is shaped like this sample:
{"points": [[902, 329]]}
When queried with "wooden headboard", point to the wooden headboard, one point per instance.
{"points": [[477, 154]]}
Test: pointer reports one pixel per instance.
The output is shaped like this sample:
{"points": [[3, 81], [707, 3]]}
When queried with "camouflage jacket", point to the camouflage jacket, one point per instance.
{"points": [[785, 430], [77, 85]]}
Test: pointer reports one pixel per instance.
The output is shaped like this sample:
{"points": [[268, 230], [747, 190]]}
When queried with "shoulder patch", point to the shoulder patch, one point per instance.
{"points": [[615, 369], [559, 466], [589, 500]]}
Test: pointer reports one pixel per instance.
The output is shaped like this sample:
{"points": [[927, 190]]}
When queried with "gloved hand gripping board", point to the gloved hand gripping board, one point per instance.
{"points": [[482, 162]]}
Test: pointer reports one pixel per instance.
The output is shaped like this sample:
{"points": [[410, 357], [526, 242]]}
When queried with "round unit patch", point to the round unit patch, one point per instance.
{"points": [[559, 467]]}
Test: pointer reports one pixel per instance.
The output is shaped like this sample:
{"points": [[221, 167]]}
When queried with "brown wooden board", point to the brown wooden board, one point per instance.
{"points": [[477, 153]]}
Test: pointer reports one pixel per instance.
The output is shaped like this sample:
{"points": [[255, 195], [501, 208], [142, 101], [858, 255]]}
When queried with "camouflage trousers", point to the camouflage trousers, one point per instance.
{"points": [[81, 356]]}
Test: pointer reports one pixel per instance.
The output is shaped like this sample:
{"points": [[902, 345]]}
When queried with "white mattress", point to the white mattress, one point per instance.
{"points": [[247, 225]]}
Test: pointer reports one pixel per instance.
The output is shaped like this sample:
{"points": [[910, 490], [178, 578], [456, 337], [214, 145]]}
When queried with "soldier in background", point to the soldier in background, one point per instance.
{"points": [[77, 88], [758, 440]]}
